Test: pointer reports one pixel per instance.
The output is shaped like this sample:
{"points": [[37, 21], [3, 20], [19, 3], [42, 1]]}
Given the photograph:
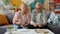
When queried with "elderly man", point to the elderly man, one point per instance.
{"points": [[38, 16]]}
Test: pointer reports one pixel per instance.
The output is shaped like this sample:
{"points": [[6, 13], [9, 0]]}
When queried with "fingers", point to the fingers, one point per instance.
{"points": [[35, 25], [40, 25], [22, 25], [18, 23]]}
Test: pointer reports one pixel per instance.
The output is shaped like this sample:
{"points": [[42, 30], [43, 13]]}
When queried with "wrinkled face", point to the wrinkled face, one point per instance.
{"points": [[38, 7]]}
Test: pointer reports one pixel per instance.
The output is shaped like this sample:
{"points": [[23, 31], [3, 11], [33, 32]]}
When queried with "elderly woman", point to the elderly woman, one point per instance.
{"points": [[38, 16], [22, 17]]}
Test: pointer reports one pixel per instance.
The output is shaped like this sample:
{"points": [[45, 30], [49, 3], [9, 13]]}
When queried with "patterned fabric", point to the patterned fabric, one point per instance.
{"points": [[41, 18], [54, 18], [21, 18]]}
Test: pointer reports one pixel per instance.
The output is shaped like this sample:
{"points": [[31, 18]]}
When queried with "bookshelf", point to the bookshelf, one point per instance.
{"points": [[56, 6]]}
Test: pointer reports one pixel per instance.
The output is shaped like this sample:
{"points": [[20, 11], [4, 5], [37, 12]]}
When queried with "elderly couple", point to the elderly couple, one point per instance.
{"points": [[36, 19]]}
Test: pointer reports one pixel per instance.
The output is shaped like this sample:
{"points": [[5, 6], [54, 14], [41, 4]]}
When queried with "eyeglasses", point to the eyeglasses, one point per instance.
{"points": [[38, 8]]}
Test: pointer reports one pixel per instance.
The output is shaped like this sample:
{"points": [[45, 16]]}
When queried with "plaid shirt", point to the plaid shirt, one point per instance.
{"points": [[42, 18]]}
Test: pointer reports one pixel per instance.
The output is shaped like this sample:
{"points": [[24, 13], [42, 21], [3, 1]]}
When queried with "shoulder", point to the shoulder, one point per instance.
{"points": [[17, 13], [44, 11], [33, 10]]}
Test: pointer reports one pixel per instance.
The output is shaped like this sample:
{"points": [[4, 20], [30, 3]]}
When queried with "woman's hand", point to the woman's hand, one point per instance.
{"points": [[18, 23], [23, 25], [40, 25]]}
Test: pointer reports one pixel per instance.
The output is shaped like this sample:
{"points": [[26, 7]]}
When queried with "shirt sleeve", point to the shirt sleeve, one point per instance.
{"points": [[32, 17], [15, 19]]}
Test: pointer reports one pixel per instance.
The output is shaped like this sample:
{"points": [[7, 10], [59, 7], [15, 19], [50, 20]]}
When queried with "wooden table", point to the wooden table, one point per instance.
{"points": [[31, 31]]}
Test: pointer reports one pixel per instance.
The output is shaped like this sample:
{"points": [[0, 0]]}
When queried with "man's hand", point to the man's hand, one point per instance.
{"points": [[40, 25], [35, 24]]}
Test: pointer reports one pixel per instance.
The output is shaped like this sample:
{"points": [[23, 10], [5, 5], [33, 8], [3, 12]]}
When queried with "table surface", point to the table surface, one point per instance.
{"points": [[31, 31]]}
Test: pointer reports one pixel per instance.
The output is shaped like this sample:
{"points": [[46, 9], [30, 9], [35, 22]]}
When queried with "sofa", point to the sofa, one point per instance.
{"points": [[52, 27], [5, 20], [9, 17]]}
